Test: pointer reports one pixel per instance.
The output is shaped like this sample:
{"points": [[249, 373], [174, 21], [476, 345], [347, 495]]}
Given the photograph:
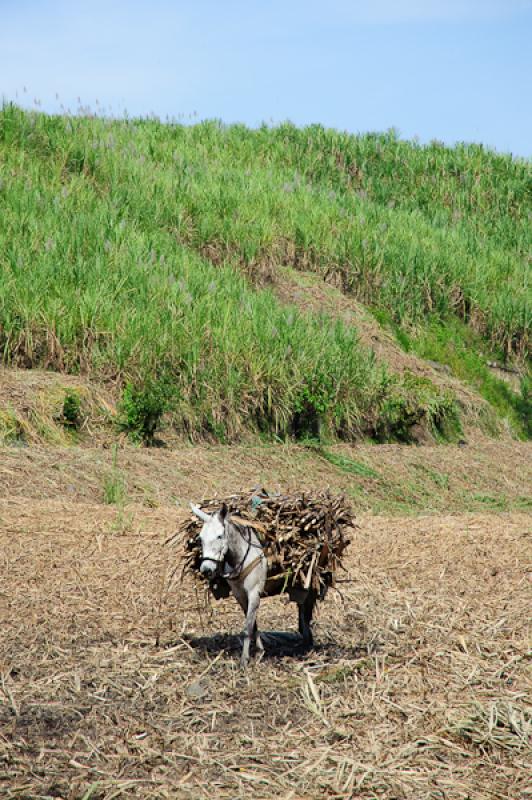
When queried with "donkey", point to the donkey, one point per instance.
{"points": [[234, 552]]}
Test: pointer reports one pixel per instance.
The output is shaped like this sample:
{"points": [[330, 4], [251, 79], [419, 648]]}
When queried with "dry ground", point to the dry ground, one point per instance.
{"points": [[116, 681], [482, 476]]}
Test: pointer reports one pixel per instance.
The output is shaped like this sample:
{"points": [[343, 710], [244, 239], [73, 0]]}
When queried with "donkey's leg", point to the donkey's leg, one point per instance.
{"points": [[303, 626], [259, 647], [306, 609], [251, 625], [242, 599]]}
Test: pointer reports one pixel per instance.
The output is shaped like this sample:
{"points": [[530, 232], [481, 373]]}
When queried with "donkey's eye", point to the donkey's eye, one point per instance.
{"points": [[220, 536]]}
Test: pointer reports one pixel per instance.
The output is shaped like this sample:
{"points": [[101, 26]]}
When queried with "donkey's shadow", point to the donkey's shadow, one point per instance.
{"points": [[277, 644]]}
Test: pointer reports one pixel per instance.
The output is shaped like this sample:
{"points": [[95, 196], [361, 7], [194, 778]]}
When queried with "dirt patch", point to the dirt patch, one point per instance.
{"points": [[115, 682]]}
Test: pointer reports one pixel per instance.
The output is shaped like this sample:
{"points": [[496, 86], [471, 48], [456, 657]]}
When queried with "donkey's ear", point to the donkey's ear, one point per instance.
{"points": [[199, 513], [223, 512]]}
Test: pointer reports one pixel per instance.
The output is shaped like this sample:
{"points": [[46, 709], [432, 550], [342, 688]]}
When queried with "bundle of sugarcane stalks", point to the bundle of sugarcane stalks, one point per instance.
{"points": [[303, 536]]}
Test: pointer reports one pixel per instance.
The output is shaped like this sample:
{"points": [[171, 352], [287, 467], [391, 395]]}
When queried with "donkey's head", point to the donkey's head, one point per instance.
{"points": [[213, 537]]}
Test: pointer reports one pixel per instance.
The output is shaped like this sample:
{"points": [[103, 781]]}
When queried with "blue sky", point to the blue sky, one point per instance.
{"points": [[454, 70]]}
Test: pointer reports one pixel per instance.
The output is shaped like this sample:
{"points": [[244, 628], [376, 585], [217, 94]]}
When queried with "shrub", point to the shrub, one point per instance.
{"points": [[142, 407], [312, 403], [413, 402], [71, 412]]}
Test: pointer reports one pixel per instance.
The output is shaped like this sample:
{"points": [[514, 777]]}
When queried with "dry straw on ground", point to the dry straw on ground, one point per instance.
{"points": [[395, 701]]}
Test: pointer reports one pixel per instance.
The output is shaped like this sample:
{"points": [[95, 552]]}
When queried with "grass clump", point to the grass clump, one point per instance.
{"points": [[495, 502], [441, 479], [12, 429], [346, 464], [114, 484], [499, 724]]}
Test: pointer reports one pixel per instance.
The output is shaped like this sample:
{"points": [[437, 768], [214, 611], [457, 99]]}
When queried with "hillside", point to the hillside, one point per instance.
{"points": [[147, 257], [286, 308]]}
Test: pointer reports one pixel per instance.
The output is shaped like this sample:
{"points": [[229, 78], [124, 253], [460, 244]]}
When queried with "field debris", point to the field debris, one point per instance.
{"points": [[92, 706], [497, 724], [303, 534]]}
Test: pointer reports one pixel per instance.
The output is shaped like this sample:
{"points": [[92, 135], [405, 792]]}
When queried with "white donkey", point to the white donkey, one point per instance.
{"points": [[235, 553]]}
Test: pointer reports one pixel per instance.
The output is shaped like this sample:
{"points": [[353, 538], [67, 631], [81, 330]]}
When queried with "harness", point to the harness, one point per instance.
{"points": [[249, 569]]}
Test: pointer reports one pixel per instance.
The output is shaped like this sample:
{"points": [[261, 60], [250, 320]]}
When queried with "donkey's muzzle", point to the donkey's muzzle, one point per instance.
{"points": [[209, 568]]}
